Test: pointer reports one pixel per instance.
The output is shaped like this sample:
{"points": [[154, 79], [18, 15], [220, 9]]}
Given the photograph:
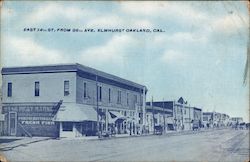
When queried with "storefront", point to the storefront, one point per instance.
{"points": [[30, 120], [76, 120]]}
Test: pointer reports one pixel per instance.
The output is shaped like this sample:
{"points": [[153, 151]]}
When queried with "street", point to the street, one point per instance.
{"points": [[217, 145]]}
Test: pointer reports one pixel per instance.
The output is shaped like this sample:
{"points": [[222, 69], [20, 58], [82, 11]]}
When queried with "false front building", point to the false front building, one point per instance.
{"points": [[181, 116], [63, 101]]}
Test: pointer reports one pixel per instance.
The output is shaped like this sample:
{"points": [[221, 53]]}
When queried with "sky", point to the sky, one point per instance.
{"points": [[200, 55]]}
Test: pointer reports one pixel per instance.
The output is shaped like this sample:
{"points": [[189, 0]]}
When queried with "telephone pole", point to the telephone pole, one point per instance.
{"points": [[153, 114], [97, 107], [164, 115]]}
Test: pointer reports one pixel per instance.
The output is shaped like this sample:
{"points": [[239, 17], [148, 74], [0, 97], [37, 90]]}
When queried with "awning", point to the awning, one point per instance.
{"points": [[116, 116], [72, 112]]}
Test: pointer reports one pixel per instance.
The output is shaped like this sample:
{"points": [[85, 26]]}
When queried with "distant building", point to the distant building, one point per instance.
{"points": [[207, 119], [215, 119], [235, 120], [225, 119], [182, 116], [62, 100], [197, 116], [157, 116]]}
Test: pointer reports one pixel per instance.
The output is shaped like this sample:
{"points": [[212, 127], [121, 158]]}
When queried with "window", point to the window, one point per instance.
{"points": [[109, 95], [119, 97], [66, 88], [205, 118], [100, 93], [84, 90], [9, 89], [36, 88], [127, 99], [67, 126], [135, 98]]}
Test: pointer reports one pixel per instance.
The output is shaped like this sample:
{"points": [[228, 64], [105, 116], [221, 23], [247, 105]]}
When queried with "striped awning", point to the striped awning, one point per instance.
{"points": [[72, 112]]}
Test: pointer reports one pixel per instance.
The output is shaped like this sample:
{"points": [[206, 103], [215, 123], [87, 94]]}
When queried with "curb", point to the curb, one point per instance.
{"points": [[9, 147]]}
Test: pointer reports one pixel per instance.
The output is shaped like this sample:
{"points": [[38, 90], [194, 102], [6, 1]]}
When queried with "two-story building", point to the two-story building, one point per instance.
{"points": [[236, 120], [182, 115], [70, 100], [158, 114], [215, 119], [207, 119]]}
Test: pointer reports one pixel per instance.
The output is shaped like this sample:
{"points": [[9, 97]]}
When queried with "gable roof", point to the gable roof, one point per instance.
{"points": [[181, 100]]}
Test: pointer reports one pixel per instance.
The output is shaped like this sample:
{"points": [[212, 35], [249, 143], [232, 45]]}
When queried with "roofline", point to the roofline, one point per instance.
{"points": [[71, 67]]}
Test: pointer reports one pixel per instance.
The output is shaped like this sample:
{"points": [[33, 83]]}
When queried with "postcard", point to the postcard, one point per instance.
{"points": [[124, 81]]}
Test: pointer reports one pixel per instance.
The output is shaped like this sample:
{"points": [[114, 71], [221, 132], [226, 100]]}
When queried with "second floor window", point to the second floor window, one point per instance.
{"points": [[36, 88], [109, 95], [9, 93], [66, 88], [100, 93], [135, 98], [127, 99], [119, 97], [84, 90]]}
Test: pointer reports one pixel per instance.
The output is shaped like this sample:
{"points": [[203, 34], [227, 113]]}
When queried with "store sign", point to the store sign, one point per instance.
{"points": [[35, 120], [32, 114]]}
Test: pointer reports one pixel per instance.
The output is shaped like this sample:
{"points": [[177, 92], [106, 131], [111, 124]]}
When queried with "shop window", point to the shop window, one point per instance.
{"points": [[67, 126], [9, 89], [66, 88], [37, 88]]}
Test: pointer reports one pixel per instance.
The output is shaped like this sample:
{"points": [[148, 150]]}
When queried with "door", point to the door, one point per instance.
{"points": [[12, 123]]}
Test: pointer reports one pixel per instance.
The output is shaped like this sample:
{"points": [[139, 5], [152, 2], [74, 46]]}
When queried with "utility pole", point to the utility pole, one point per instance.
{"points": [[97, 108], [153, 114], [189, 117], [164, 115]]}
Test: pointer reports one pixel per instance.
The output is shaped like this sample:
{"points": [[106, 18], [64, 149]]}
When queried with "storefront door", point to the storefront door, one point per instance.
{"points": [[12, 123]]}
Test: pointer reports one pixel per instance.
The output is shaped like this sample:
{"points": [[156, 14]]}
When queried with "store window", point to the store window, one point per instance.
{"points": [[66, 88], [67, 126], [9, 89]]}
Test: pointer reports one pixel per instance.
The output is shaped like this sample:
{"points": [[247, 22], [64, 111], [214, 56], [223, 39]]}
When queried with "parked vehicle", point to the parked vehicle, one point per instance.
{"points": [[158, 130], [247, 125], [242, 126], [196, 126]]}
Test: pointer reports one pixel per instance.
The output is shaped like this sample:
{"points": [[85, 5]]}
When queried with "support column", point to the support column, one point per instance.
{"points": [[106, 120], [60, 129]]}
